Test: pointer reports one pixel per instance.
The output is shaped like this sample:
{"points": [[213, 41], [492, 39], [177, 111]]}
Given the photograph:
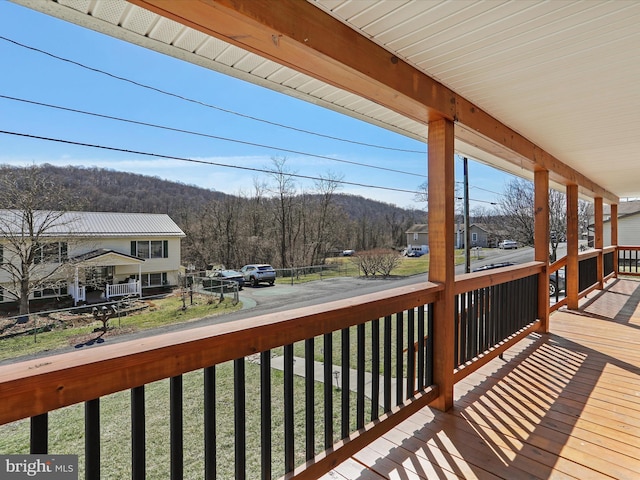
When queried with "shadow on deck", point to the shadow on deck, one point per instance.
{"points": [[562, 405]]}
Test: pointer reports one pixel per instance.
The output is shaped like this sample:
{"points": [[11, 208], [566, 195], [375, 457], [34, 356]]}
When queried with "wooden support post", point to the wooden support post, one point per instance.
{"points": [[541, 243], [614, 234], [441, 252], [572, 247], [598, 239]]}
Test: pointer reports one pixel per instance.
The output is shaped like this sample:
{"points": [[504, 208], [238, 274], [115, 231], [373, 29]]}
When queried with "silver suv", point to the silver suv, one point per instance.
{"points": [[258, 273]]}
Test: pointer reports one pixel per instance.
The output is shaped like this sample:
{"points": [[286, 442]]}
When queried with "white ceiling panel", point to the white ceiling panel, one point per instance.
{"points": [[564, 74]]}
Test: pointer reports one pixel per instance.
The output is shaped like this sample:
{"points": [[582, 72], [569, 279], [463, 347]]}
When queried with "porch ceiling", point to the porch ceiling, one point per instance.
{"points": [[562, 75]]}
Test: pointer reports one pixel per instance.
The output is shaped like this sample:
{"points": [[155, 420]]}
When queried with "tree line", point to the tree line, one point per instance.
{"points": [[276, 221]]}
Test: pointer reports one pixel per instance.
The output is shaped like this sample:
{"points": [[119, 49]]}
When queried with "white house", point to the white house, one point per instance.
{"points": [[103, 254], [628, 224]]}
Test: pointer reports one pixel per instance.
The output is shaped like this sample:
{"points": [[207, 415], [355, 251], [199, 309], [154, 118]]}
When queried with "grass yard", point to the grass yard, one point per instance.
{"points": [[345, 267], [79, 332], [66, 426]]}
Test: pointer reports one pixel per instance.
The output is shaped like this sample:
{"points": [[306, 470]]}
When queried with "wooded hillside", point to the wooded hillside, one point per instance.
{"points": [[278, 223]]}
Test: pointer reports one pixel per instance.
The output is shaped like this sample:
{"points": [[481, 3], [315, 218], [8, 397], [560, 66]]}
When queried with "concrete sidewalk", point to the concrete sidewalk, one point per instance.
{"points": [[318, 375]]}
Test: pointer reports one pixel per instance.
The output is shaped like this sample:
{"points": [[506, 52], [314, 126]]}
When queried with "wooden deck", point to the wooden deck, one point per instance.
{"points": [[563, 405]]}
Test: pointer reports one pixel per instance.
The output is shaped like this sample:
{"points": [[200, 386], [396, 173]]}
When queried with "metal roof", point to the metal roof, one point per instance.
{"points": [[562, 74], [97, 224]]}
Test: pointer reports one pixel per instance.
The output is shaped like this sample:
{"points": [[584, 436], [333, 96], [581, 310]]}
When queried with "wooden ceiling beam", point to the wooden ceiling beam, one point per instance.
{"points": [[301, 36]]}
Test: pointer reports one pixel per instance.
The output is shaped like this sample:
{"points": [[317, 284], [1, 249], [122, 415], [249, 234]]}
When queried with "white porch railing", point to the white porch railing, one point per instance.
{"points": [[79, 293], [122, 289]]}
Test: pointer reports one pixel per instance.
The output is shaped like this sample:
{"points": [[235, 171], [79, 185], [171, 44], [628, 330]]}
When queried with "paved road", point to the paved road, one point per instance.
{"points": [[281, 297]]}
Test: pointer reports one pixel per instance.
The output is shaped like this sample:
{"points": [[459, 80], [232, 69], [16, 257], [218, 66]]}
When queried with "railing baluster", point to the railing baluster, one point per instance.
{"points": [[210, 461], [265, 414], [39, 437], [411, 354], [429, 356], [482, 320], [328, 390], [457, 331], [469, 313], [309, 383], [289, 426], [399, 357], [240, 420], [176, 430], [387, 363], [375, 368], [360, 376], [421, 349], [346, 371], [92, 439], [138, 438], [475, 323]]}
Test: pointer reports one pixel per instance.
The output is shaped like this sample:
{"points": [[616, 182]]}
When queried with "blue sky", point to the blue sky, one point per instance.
{"points": [[37, 77]]}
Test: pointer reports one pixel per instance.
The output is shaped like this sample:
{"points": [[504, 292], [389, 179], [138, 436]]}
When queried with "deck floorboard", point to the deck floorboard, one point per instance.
{"points": [[564, 405]]}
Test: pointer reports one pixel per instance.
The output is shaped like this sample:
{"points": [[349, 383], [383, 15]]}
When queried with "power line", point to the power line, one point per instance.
{"points": [[204, 162], [217, 164], [485, 190], [204, 104], [207, 135]]}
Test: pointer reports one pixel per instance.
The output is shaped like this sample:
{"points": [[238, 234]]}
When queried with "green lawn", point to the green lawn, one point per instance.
{"points": [[345, 267], [161, 312], [66, 426]]}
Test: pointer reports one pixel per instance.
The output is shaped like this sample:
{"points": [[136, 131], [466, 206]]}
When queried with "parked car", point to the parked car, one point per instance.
{"points": [[258, 273], [508, 244], [557, 283], [492, 266], [230, 276]]}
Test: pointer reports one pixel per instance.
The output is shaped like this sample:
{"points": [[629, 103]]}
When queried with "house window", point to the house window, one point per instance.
{"points": [[150, 248], [50, 292], [154, 279], [416, 236], [474, 237], [55, 252]]}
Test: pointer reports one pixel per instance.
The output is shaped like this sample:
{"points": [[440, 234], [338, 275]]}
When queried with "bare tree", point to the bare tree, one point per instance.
{"points": [[516, 210], [516, 217], [326, 215], [557, 220], [34, 226], [422, 195], [378, 261], [284, 190]]}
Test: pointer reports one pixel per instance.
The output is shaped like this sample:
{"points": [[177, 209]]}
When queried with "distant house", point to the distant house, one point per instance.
{"points": [[628, 225], [479, 236], [418, 234], [106, 255]]}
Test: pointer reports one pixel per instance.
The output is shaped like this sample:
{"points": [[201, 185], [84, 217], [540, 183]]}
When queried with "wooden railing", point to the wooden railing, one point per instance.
{"points": [[353, 342], [628, 260], [493, 310], [608, 265], [291, 393]]}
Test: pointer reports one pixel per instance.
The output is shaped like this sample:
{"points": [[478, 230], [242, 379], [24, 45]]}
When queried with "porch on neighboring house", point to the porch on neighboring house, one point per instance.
{"points": [[104, 274]]}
